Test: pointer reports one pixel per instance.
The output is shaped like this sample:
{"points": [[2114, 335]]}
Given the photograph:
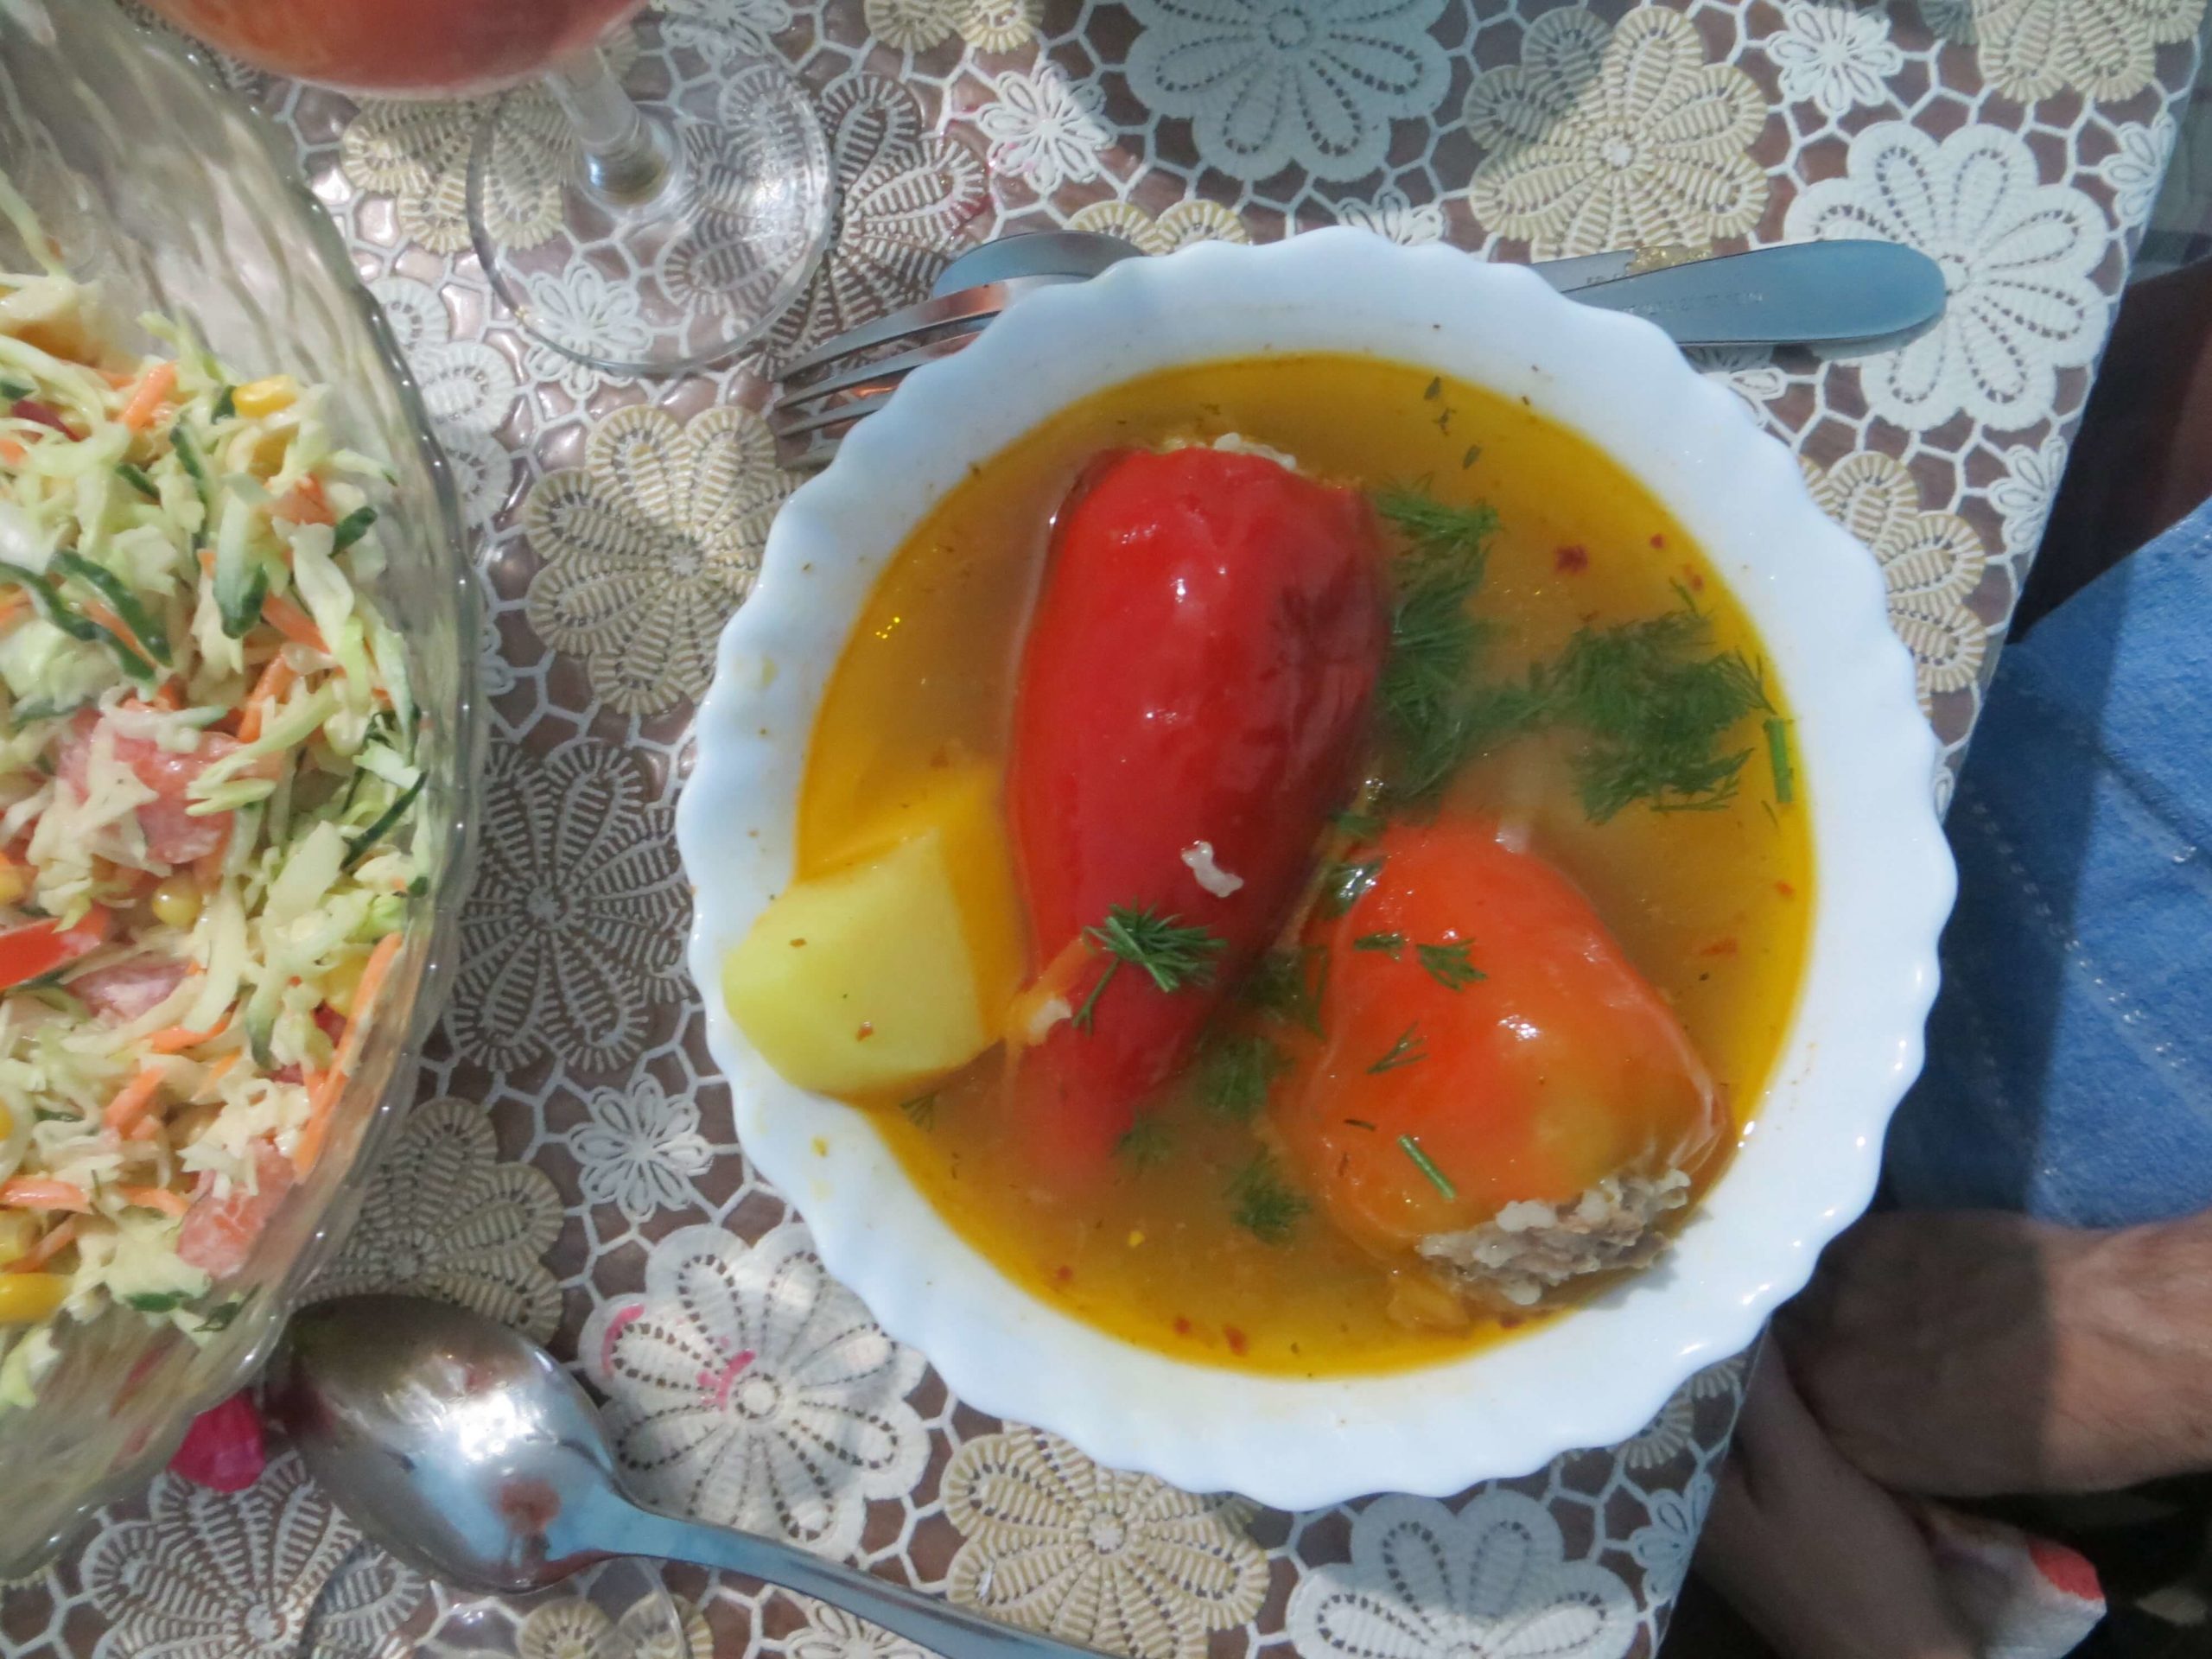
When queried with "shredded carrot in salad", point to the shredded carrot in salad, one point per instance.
{"points": [[208, 790]]}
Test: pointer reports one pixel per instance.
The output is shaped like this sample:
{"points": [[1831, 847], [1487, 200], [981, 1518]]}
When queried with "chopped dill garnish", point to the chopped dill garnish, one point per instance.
{"points": [[1392, 946], [1344, 883], [1280, 988], [1656, 707], [921, 1110], [1171, 954], [1449, 965], [1474, 453], [1777, 756], [1426, 1165], [1433, 712], [1435, 389], [1410, 1046], [1147, 1143], [1359, 825], [1233, 1071], [1358, 1123], [1263, 1204]]}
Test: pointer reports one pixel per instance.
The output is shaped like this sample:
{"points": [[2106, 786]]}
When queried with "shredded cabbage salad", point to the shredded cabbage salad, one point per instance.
{"points": [[207, 790]]}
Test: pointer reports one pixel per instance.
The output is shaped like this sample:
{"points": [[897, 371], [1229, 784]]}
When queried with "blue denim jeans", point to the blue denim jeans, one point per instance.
{"points": [[2069, 1056]]}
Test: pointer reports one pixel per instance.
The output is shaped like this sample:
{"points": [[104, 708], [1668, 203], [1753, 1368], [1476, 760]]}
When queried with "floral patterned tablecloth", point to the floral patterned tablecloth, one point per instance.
{"points": [[572, 1167]]}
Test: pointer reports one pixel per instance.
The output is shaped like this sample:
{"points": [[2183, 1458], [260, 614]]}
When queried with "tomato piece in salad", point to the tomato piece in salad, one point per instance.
{"points": [[37, 948], [173, 834], [218, 1234]]}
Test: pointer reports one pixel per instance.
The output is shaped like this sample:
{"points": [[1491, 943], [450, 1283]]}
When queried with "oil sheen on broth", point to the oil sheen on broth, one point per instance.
{"points": [[1711, 905]]}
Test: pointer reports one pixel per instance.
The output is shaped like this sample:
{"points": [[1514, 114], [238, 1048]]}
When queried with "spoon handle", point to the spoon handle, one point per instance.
{"points": [[952, 1631], [1797, 293]]}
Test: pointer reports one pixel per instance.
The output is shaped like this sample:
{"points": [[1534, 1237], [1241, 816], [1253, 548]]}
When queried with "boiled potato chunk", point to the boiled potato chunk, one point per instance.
{"points": [[887, 972]]}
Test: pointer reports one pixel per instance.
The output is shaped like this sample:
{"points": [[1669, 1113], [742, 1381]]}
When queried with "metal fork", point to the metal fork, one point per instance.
{"points": [[808, 430]]}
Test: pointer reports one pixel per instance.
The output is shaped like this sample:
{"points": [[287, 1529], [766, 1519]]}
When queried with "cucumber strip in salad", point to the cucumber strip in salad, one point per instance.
{"points": [[208, 805]]}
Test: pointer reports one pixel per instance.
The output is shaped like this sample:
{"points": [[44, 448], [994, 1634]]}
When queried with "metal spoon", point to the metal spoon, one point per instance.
{"points": [[466, 1451], [1795, 293]]}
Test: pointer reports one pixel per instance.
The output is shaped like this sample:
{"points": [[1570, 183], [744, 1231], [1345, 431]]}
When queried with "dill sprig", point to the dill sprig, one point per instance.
{"points": [[1171, 954], [1392, 946], [1344, 882], [1449, 965], [1426, 1165], [1287, 985], [1432, 638], [1410, 1046], [921, 1111], [1777, 756], [1147, 1143], [1656, 707], [1233, 1071], [1262, 1203], [1360, 821]]}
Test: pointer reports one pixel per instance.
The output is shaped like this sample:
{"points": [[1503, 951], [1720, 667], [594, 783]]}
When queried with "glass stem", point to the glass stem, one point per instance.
{"points": [[627, 160]]}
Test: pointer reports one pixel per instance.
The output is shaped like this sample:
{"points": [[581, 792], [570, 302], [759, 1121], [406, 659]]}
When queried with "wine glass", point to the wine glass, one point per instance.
{"points": [[698, 205]]}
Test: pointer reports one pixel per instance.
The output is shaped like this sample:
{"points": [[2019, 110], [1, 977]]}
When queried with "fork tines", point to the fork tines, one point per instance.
{"points": [[841, 381]]}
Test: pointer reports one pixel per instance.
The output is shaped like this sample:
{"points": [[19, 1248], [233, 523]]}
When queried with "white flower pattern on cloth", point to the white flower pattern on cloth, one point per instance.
{"points": [[987, 25], [640, 1150], [211, 1575], [2136, 169], [581, 303], [1612, 136], [1666, 1437], [582, 1630], [1121, 1562], [445, 1219], [1045, 130], [2024, 497], [903, 194], [1270, 84], [1490, 1582], [1714, 1381], [646, 549], [1175, 226], [722, 28], [833, 1633], [1390, 213], [1663, 1549], [748, 1388], [1750, 371], [2028, 50], [491, 664], [575, 933], [467, 386], [1835, 58], [2017, 257], [1931, 564], [418, 154]]}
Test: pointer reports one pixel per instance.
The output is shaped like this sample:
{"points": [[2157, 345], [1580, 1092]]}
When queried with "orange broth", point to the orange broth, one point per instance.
{"points": [[1711, 905]]}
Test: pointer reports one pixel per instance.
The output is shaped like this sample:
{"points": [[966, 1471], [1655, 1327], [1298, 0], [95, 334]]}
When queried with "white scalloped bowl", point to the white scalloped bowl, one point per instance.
{"points": [[1883, 884]]}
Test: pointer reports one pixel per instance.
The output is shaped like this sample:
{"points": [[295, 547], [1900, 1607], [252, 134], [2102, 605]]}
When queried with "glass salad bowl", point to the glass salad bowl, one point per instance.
{"points": [[153, 182]]}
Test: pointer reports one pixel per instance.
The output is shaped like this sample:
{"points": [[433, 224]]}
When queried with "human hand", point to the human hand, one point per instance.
{"points": [[1821, 1562], [1974, 1353]]}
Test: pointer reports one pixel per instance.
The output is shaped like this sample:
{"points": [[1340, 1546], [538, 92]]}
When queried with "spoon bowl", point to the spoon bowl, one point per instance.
{"points": [[461, 1448], [1071, 254], [466, 1451]]}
